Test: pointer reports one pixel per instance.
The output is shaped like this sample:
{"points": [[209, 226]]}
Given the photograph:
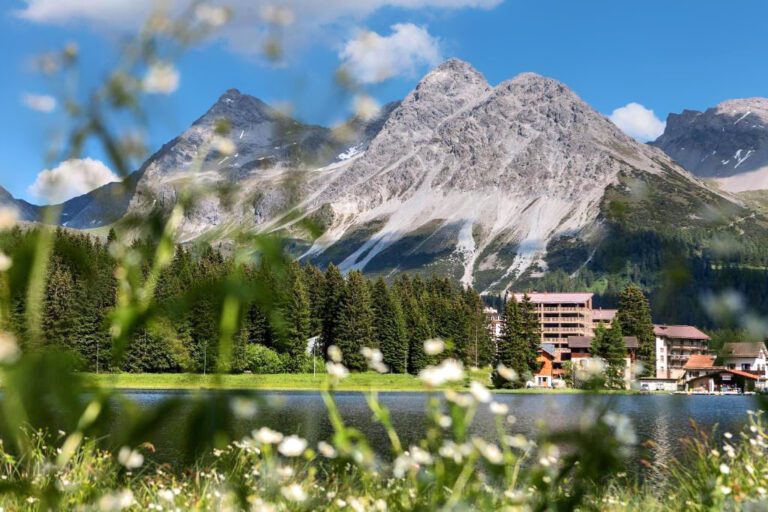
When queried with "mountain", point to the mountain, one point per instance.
{"points": [[728, 143], [26, 211], [519, 184]]}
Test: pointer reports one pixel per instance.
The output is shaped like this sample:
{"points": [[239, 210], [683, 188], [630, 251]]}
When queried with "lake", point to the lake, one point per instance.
{"points": [[664, 419]]}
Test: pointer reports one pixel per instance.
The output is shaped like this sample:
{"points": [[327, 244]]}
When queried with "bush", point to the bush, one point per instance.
{"points": [[260, 359]]}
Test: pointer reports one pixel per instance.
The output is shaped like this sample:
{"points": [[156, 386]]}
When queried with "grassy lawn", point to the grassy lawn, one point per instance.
{"points": [[285, 381]]}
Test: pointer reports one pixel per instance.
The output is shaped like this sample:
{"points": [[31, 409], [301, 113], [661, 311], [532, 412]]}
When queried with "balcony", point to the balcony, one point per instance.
{"points": [[574, 330]]}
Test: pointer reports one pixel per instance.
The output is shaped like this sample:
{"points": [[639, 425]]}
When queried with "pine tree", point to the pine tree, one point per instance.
{"points": [[294, 310], [333, 294], [314, 284], [518, 344], [355, 326], [635, 318], [389, 328], [615, 357]]}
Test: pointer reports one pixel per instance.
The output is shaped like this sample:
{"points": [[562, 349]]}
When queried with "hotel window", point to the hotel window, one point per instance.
{"points": [[745, 366]]}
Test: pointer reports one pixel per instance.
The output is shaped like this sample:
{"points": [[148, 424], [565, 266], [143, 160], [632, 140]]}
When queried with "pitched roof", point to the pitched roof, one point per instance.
{"points": [[549, 348], [743, 349], [699, 361], [586, 342], [631, 342], [604, 314], [579, 341], [740, 373], [687, 332], [555, 298]]}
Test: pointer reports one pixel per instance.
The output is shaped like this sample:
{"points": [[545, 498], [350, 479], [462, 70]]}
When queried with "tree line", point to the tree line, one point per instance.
{"points": [[288, 308]]}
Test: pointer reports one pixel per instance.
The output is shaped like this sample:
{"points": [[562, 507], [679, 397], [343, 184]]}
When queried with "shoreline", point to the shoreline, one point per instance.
{"points": [[356, 382]]}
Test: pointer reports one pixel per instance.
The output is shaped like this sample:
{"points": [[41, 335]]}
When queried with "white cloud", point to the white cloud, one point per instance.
{"points": [[71, 178], [310, 20], [637, 121], [371, 58], [39, 102]]}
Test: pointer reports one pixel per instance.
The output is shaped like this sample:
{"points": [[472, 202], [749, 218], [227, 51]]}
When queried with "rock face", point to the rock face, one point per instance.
{"points": [[489, 185], [475, 181], [728, 143], [26, 211]]}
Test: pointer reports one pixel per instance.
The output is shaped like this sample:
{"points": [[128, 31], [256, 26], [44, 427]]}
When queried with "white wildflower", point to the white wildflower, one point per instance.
{"points": [[117, 501], [292, 446], [490, 451], [5, 262], [8, 217], [458, 399], [337, 371], [285, 472], [244, 408], [293, 492], [276, 15], [166, 494], [420, 456], [403, 463], [444, 421], [728, 435], [161, 78], [380, 505], [724, 469], [506, 373], [334, 354], [725, 490], [131, 459], [211, 15], [9, 349], [498, 409], [622, 428], [375, 359], [480, 392], [434, 347], [366, 108], [326, 450], [447, 371], [223, 145], [266, 435]]}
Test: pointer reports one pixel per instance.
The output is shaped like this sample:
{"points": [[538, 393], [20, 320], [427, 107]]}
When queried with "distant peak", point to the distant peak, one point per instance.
{"points": [[530, 77]]}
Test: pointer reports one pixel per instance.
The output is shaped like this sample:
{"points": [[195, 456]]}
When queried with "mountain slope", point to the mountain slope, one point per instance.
{"points": [[728, 143], [477, 182], [26, 211]]}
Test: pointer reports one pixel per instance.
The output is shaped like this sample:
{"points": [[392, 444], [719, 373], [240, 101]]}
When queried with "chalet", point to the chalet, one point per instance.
{"points": [[723, 381], [698, 366], [603, 317], [749, 357], [675, 344]]}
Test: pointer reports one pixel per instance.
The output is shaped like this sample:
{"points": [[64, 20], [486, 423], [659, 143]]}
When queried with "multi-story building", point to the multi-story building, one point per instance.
{"points": [[562, 315], [494, 322], [746, 356], [603, 316], [675, 344]]}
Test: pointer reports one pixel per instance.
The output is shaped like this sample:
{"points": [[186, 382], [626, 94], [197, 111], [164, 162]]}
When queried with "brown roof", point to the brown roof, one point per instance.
{"points": [[699, 361], [579, 341], [604, 314], [586, 341], [743, 349], [687, 332], [555, 298]]}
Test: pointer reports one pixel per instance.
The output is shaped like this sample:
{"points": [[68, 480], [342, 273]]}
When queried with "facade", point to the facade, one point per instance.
{"points": [[603, 316], [698, 366], [579, 351], [723, 381], [562, 315], [750, 357], [675, 344], [494, 322]]}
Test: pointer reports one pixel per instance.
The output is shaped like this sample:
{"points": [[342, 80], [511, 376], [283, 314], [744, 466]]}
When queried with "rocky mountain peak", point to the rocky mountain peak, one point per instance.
{"points": [[728, 142], [239, 109]]}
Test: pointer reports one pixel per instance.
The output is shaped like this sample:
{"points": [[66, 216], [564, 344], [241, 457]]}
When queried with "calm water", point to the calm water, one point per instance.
{"points": [[665, 419]]}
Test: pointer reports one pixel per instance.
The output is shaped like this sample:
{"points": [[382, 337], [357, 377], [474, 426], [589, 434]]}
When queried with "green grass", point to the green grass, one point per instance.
{"points": [[283, 381]]}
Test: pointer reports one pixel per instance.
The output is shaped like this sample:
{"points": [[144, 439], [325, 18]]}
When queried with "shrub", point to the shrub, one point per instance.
{"points": [[261, 359]]}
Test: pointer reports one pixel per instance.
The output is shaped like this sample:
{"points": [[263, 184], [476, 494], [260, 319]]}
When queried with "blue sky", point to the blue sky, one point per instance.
{"points": [[665, 55]]}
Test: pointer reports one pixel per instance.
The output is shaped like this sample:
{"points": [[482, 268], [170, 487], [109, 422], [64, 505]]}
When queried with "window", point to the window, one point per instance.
{"points": [[746, 367], [731, 366]]}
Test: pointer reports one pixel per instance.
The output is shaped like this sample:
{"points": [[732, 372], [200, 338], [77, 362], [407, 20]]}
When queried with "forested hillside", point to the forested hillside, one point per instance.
{"points": [[286, 307]]}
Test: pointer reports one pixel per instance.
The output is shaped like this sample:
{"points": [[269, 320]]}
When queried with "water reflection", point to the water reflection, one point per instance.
{"points": [[663, 419]]}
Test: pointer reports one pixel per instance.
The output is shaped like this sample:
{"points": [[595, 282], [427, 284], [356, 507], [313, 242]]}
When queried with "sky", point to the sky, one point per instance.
{"points": [[633, 61]]}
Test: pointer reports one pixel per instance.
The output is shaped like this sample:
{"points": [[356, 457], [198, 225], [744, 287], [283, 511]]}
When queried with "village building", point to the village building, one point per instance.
{"points": [[746, 356], [675, 344], [723, 380], [494, 322], [562, 315], [603, 317], [698, 366]]}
